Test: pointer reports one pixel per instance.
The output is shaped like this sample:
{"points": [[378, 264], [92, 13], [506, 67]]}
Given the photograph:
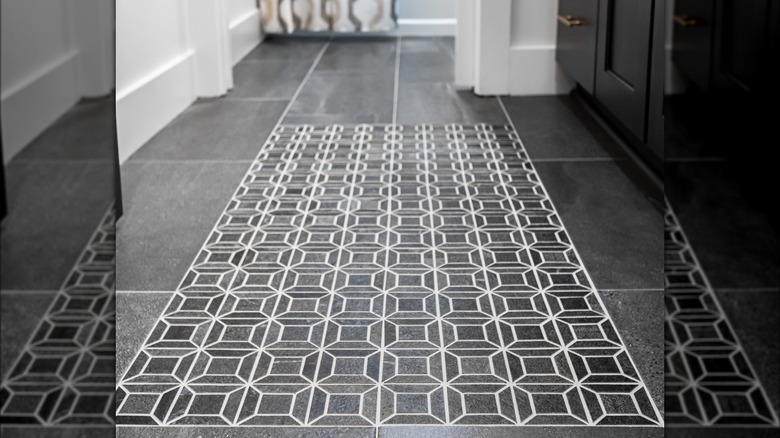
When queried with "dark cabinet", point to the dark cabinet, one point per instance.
{"points": [[614, 50], [721, 45], [623, 59], [576, 50], [693, 39]]}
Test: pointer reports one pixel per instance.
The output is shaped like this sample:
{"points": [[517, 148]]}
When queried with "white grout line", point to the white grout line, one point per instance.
{"points": [[397, 78], [303, 83], [659, 416], [579, 159], [144, 292], [252, 99], [186, 161]]}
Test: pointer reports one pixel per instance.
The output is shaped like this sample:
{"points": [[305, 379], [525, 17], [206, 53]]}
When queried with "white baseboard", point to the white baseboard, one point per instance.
{"points": [[32, 106], [245, 35], [146, 106], [674, 81], [533, 71], [426, 27]]}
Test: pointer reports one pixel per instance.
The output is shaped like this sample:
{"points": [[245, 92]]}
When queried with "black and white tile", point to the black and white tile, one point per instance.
{"points": [[65, 375], [368, 275], [709, 379]]}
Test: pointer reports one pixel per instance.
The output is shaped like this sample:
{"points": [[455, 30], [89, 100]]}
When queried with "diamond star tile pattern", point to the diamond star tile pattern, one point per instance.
{"points": [[65, 375], [385, 274], [709, 380]]}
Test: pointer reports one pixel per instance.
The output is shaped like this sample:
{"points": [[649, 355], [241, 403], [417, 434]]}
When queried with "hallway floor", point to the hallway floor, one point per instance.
{"points": [[419, 228], [347, 245]]}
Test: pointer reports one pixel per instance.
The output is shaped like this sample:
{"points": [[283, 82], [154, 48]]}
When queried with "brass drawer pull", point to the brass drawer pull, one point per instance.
{"points": [[685, 21], [569, 21]]}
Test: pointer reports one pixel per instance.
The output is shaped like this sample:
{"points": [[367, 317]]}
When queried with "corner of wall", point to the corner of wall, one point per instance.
{"points": [[534, 72]]}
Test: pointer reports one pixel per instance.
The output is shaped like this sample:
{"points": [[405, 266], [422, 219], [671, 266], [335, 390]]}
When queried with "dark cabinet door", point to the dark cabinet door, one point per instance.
{"points": [[622, 65], [576, 46], [742, 42], [692, 40]]}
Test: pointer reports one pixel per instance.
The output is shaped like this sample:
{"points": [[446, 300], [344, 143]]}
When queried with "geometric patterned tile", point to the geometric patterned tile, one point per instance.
{"points": [[709, 380], [385, 274], [65, 375]]}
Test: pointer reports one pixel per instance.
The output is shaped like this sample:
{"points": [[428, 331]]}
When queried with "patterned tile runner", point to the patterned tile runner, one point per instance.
{"points": [[385, 274], [66, 373], [709, 380]]}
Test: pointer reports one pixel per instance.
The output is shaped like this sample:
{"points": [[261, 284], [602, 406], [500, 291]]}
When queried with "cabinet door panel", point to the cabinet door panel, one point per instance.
{"points": [[741, 40], [576, 46], [624, 59], [693, 28]]}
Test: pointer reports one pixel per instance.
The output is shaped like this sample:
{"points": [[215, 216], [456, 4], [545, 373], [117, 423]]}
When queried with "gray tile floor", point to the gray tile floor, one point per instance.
{"points": [[388, 274], [59, 187], [214, 141], [717, 192], [377, 81]]}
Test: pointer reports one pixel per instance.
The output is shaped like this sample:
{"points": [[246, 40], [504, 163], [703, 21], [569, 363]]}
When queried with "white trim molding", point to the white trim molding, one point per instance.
{"points": [[245, 34], [426, 26], [487, 60], [493, 30], [533, 71], [146, 106], [31, 106], [464, 44]]}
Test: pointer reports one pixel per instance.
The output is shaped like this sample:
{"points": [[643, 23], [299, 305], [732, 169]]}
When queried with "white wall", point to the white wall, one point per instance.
{"points": [[170, 52], [53, 53], [154, 68], [513, 50], [426, 17], [243, 21], [532, 63]]}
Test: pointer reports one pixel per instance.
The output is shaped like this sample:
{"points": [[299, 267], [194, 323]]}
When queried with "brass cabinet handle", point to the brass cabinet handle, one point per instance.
{"points": [[569, 21], [685, 21]]}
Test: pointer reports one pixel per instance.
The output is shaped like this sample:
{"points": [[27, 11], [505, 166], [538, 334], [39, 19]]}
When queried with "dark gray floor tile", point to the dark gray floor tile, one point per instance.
{"points": [[723, 432], [271, 78], [246, 432], [54, 207], [516, 431], [639, 318], [19, 316], [286, 48], [612, 221], [427, 60], [85, 132], [440, 102], [754, 317], [375, 55], [726, 223], [688, 132], [58, 432], [215, 130], [351, 97], [559, 127], [425, 91], [354, 82], [170, 209], [135, 318]]}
